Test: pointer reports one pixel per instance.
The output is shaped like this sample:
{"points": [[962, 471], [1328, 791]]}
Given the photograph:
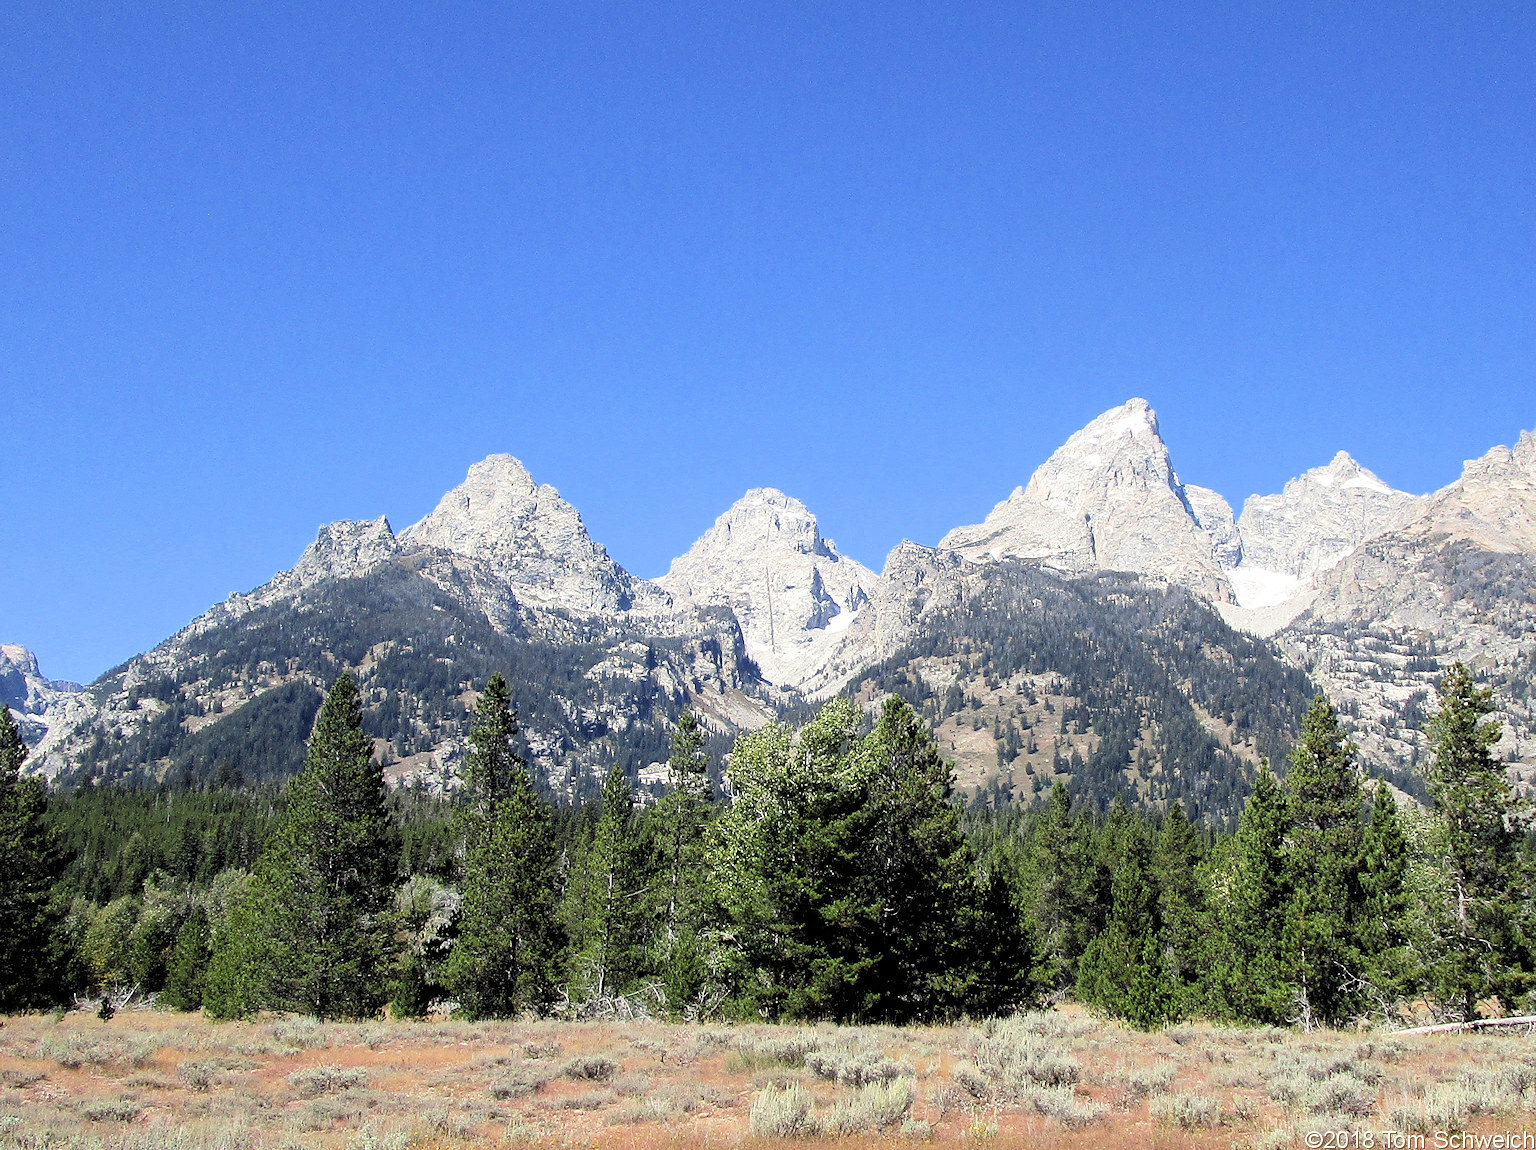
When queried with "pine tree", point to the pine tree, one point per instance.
{"points": [[1382, 924], [30, 963], [604, 895], [1324, 801], [1181, 907], [505, 960], [311, 935], [1248, 977], [681, 887], [1058, 894], [1485, 953], [187, 969], [1122, 971], [803, 917], [923, 874]]}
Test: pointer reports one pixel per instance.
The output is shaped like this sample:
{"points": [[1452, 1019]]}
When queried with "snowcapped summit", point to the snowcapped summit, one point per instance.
{"points": [[1318, 518], [792, 592], [528, 536], [1109, 499]]}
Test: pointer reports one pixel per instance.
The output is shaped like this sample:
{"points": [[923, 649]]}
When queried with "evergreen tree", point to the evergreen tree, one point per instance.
{"points": [[603, 898], [1122, 970], [1253, 893], [1323, 800], [1182, 909], [1486, 952], [505, 959], [30, 963], [923, 871], [803, 919], [311, 935], [1383, 919], [1058, 894], [187, 969], [681, 887]]}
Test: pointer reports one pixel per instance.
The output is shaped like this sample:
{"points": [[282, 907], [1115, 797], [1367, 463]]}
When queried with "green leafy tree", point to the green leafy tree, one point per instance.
{"points": [[1485, 952], [506, 957], [312, 934], [30, 962]]}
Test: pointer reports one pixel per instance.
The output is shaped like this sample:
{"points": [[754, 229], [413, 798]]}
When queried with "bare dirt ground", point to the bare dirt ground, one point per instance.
{"points": [[150, 1079]]}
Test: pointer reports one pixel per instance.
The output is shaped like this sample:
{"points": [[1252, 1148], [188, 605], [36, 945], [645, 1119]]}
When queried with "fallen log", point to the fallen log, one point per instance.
{"points": [[1475, 1024]]}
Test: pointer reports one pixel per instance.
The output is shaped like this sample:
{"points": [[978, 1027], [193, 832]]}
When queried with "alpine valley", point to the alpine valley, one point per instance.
{"points": [[1106, 623]]}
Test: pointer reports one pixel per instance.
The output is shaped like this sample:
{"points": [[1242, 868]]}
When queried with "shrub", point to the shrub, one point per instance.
{"points": [[590, 1068], [783, 1113], [318, 1080], [1062, 1104], [859, 1070], [542, 1050], [873, 1107], [520, 1083], [1186, 1111], [198, 1076]]}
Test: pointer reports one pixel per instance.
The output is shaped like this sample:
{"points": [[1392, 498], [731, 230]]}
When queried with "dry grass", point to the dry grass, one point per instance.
{"points": [[159, 1081]]}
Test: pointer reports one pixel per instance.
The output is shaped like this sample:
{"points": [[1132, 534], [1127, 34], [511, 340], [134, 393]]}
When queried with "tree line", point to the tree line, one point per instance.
{"points": [[840, 881]]}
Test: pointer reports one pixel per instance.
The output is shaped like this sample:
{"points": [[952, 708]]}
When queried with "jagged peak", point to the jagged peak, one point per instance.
{"points": [[764, 516]]}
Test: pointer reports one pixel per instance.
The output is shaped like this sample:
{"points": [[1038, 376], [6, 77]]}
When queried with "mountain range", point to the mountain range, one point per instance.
{"points": [[1106, 623]]}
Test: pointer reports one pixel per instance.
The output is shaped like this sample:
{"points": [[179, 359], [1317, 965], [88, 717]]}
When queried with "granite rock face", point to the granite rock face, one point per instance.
{"points": [[1320, 517], [791, 591], [1109, 499], [531, 539], [27, 693]]}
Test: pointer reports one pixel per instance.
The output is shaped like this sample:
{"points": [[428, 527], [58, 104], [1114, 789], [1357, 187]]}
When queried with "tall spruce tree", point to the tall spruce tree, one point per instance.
{"points": [[506, 958], [1323, 800], [1487, 952], [1058, 894], [603, 899], [803, 916], [934, 919], [31, 968], [681, 887], [312, 933], [1253, 893], [1182, 909], [1382, 924]]}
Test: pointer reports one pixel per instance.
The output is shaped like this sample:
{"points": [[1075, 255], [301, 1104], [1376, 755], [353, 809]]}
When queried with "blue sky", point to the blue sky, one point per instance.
{"points": [[266, 266]]}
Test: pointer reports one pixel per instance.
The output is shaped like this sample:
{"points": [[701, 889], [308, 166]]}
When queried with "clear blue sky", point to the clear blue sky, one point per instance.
{"points": [[268, 265]]}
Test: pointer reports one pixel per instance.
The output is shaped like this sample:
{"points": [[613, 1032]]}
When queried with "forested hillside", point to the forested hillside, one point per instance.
{"points": [[236, 700], [1119, 687]]}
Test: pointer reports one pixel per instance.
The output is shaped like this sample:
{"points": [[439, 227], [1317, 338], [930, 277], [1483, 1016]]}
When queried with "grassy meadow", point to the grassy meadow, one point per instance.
{"points": [[148, 1079]]}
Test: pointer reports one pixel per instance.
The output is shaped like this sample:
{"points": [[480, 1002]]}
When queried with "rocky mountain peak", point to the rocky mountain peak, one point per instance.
{"points": [[1493, 504], [1318, 518], [1109, 498], [792, 592], [27, 693], [346, 549], [528, 536]]}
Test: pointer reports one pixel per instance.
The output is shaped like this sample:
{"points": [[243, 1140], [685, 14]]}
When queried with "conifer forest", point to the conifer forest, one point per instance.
{"points": [[837, 880]]}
